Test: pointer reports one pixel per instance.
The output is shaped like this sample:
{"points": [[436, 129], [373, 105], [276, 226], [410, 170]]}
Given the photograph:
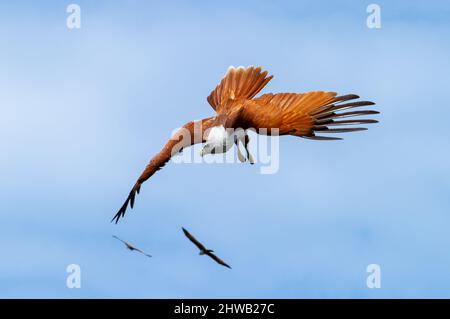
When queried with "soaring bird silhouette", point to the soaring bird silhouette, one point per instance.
{"points": [[203, 250], [131, 247], [298, 114]]}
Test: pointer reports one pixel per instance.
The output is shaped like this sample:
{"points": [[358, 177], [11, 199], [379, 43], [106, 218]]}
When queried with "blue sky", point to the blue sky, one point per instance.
{"points": [[83, 110]]}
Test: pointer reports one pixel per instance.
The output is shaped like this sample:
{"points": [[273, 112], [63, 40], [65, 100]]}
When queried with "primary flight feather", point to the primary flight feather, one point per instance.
{"points": [[299, 114]]}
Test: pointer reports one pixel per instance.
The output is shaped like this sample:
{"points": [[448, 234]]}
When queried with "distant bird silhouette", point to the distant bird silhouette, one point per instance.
{"points": [[237, 110], [203, 250], [131, 247]]}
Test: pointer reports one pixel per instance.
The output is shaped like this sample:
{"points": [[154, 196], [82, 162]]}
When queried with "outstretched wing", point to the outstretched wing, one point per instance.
{"points": [[190, 134], [304, 114], [193, 239], [114, 236], [129, 246], [142, 252], [217, 259], [238, 83]]}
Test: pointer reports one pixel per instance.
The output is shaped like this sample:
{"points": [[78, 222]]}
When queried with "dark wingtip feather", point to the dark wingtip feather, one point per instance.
{"points": [[322, 138], [121, 212], [346, 97], [130, 200], [329, 110], [344, 122], [332, 115], [325, 117], [340, 130], [133, 196]]}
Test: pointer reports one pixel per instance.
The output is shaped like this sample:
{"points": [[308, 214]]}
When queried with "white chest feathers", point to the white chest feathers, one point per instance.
{"points": [[218, 135], [219, 140]]}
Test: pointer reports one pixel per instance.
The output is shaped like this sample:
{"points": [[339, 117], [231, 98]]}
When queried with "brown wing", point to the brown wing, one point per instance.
{"points": [[217, 259], [193, 240], [303, 114], [190, 134], [238, 83]]}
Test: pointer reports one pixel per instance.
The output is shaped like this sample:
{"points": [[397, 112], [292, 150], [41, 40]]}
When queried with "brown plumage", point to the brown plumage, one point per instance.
{"points": [[172, 147], [299, 114]]}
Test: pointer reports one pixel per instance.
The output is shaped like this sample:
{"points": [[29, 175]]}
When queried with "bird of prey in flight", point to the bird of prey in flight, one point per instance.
{"points": [[131, 247], [234, 100], [203, 250]]}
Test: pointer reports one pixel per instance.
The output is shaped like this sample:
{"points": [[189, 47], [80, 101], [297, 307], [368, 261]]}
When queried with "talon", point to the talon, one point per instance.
{"points": [[250, 158], [240, 155]]}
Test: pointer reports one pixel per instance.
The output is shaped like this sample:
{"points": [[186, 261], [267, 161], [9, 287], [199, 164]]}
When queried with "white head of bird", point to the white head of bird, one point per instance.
{"points": [[219, 140]]}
